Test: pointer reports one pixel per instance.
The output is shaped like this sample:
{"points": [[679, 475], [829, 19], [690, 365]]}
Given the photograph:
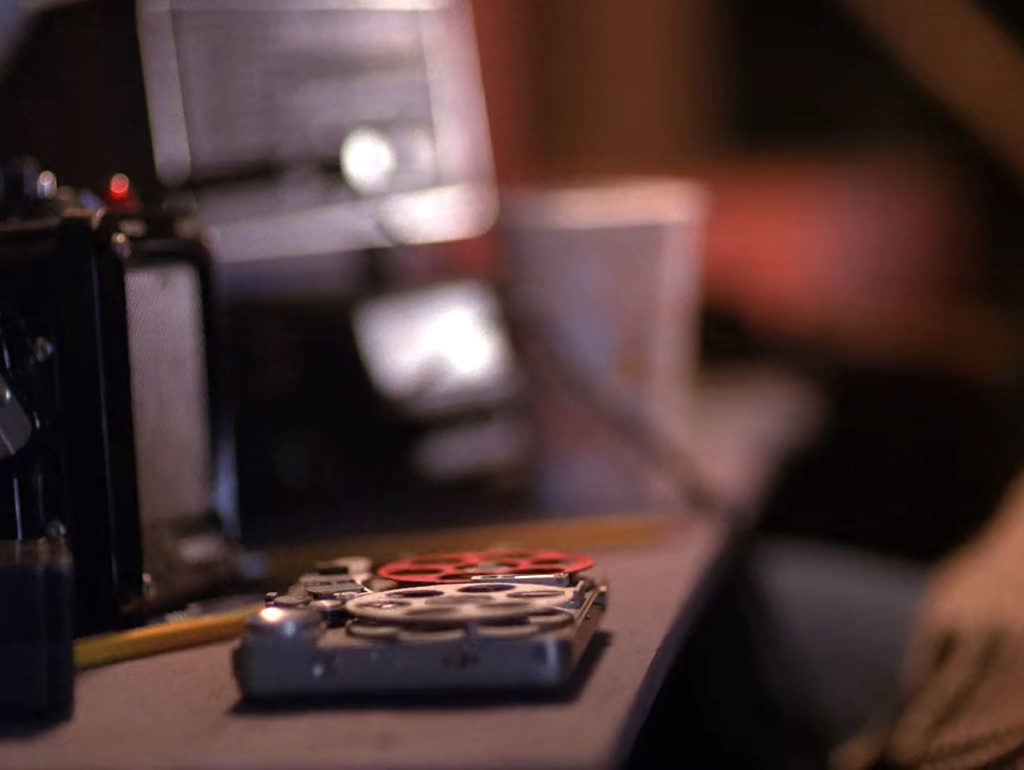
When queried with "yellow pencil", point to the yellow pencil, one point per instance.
{"points": [[162, 637]]}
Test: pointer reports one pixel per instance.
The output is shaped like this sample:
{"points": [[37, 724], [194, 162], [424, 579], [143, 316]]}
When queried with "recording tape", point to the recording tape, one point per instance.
{"points": [[458, 603], [451, 610], [461, 566]]}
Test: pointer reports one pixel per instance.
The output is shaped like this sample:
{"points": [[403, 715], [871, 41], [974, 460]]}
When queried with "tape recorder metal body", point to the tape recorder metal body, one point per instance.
{"points": [[496, 630]]}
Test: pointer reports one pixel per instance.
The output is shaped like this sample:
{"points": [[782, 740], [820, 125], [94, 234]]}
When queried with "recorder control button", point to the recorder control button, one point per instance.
{"points": [[288, 601], [324, 589], [332, 610], [275, 622]]}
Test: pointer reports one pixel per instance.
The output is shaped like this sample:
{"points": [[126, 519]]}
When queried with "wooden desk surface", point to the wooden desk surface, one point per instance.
{"points": [[182, 709]]}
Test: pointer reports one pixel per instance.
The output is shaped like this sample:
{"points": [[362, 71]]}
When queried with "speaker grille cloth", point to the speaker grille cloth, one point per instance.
{"points": [[169, 392]]}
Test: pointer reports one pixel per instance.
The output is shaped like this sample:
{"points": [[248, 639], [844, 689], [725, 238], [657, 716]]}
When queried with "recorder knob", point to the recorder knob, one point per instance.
{"points": [[276, 623]]}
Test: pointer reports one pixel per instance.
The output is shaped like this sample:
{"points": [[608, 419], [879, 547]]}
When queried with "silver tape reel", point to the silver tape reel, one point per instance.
{"points": [[456, 605]]}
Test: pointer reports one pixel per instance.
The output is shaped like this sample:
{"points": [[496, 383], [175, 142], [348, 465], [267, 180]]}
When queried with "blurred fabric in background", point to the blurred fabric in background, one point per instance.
{"points": [[862, 220]]}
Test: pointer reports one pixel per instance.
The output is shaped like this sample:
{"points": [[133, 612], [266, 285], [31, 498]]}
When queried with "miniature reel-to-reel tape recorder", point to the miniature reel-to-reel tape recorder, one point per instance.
{"points": [[494, 620]]}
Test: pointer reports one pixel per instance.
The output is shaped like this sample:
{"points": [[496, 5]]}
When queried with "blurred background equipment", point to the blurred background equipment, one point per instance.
{"points": [[442, 356], [437, 349], [338, 155], [604, 279], [303, 129], [323, 148], [311, 141]]}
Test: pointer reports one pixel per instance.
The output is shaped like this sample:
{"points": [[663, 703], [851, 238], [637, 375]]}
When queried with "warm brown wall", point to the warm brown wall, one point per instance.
{"points": [[601, 85]]}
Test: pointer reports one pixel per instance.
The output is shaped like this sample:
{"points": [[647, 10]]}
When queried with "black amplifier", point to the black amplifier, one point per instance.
{"points": [[106, 425]]}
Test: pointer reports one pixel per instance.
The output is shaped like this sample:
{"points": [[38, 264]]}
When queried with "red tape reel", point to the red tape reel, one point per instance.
{"points": [[460, 566]]}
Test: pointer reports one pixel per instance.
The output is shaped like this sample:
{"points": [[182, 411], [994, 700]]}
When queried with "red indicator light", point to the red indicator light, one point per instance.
{"points": [[119, 187]]}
